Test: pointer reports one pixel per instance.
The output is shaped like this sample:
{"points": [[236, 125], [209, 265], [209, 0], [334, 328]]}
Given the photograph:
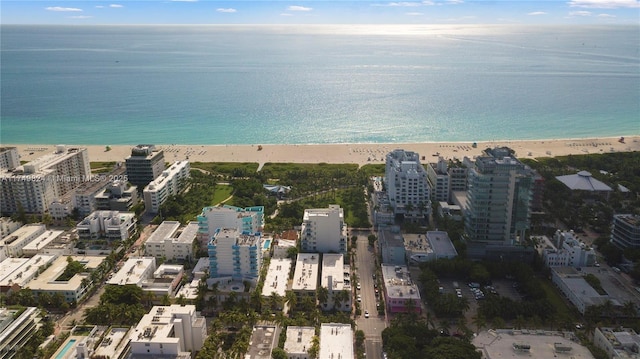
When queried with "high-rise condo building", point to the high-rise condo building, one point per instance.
{"points": [[323, 230], [498, 198], [407, 186], [144, 165], [235, 254]]}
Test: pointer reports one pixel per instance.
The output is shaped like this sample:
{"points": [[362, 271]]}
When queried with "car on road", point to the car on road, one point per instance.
{"points": [[366, 314], [358, 286], [359, 298]]}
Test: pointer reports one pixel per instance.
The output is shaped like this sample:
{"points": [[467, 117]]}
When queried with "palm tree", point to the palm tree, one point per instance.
{"points": [[323, 296]]}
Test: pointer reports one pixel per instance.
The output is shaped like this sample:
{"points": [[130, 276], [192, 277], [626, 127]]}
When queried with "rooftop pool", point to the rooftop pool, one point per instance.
{"points": [[66, 348], [267, 244]]}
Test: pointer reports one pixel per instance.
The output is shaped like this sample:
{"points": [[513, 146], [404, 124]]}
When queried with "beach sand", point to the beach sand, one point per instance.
{"points": [[360, 154]]}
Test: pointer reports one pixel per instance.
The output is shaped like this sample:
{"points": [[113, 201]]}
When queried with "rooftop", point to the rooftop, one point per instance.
{"points": [[305, 276], [441, 244], [336, 341], [46, 281], [134, 271], [583, 181], [333, 265], [398, 283], [540, 344], [263, 340], [277, 275], [299, 339]]}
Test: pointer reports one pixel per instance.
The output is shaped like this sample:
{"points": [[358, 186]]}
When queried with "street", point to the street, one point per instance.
{"points": [[375, 324]]}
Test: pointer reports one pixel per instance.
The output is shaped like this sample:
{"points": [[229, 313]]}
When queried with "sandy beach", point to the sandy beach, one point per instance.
{"points": [[360, 154]]}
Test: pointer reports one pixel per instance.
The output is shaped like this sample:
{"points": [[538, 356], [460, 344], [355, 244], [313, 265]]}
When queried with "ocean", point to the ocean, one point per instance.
{"points": [[268, 84]]}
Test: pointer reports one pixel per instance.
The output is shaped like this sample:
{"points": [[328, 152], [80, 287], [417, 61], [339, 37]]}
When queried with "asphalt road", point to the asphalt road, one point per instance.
{"points": [[374, 325]]}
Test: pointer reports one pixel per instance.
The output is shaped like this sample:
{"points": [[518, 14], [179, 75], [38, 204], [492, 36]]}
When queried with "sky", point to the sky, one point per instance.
{"points": [[319, 12]]}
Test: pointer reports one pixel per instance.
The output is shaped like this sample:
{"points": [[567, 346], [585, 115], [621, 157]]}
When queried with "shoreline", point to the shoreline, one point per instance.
{"points": [[358, 153]]}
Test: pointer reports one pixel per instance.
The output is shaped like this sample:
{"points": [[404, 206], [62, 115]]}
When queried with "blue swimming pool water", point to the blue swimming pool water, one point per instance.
{"points": [[66, 348], [267, 243]]}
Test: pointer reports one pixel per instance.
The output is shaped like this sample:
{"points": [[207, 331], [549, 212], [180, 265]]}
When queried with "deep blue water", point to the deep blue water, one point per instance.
{"points": [[316, 84]]}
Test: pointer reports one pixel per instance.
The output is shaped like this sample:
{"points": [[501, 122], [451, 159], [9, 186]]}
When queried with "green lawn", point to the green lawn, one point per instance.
{"points": [[221, 193]]}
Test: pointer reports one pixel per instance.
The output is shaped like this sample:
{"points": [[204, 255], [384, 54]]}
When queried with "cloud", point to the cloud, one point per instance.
{"points": [[536, 13], [455, 2], [298, 8], [99, 7], [63, 9], [414, 14], [227, 10], [115, 6], [428, 3], [401, 4], [80, 17], [606, 15], [605, 4], [580, 13]]}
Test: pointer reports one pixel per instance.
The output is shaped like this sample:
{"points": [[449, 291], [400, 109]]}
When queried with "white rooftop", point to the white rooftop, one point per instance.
{"points": [[305, 276], [496, 344], [277, 276], [398, 283], [165, 230], [20, 270], [299, 339], [333, 265], [133, 271], [336, 341], [42, 240], [46, 281]]}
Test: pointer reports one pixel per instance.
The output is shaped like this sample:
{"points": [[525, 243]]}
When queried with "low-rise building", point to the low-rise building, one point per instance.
{"points": [[173, 330], [305, 276], [111, 225], [452, 211], [117, 196], [72, 289], [400, 293], [134, 271], [169, 183], [16, 329], [13, 244], [299, 341], [391, 243], [619, 343], [15, 273], [172, 242], [8, 226], [336, 277], [277, 277], [164, 282], [41, 242], [568, 250], [336, 341], [433, 245], [579, 292], [534, 344], [264, 338], [281, 247]]}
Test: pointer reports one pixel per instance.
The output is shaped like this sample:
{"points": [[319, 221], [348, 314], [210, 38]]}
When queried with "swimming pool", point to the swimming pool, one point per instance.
{"points": [[66, 348], [267, 244]]}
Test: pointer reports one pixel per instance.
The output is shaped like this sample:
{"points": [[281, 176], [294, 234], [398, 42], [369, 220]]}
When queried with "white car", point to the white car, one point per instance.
{"points": [[366, 314], [359, 298], [358, 286]]}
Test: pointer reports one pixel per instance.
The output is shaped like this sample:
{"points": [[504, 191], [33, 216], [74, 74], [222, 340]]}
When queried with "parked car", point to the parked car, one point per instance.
{"points": [[366, 314]]}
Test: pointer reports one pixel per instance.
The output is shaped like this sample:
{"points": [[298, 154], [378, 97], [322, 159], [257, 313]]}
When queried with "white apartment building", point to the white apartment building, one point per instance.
{"points": [[9, 157], [249, 219], [12, 245], [169, 183], [84, 196], [33, 186], [112, 225], [235, 254], [172, 242], [134, 271], [323, 230], [407, 185], [277, 277], [172, 330], [16, 273], [299, 341], [305, 276], [73, 289], [438, 178], [568, 251], [16, 332], [336, 277], [336, 341], [41, 242]]}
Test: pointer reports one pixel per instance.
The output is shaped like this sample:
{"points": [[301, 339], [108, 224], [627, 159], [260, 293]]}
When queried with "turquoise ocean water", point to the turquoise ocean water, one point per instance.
{"points": [[316, 84]]}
